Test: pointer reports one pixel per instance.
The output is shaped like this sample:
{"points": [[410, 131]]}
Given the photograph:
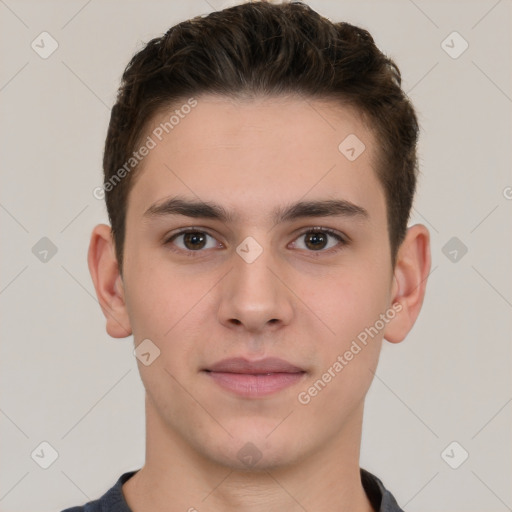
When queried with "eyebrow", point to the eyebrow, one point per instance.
{"points": [[301, 209]]}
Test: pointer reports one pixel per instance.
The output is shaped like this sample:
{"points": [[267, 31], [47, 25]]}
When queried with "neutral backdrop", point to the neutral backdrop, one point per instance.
{"points": [[65, 382]]}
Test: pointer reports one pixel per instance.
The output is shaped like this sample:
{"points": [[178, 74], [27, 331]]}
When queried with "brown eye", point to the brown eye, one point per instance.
{"points": [[316, 241], [194, 240], [191, 241], [319, 240]]}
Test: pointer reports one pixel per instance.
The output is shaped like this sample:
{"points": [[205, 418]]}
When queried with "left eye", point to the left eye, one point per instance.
{"points": [[318, 240], [193, 240]]}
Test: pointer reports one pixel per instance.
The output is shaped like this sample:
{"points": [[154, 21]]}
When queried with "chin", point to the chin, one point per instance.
{"points": [[250, 458], [257, 449]]}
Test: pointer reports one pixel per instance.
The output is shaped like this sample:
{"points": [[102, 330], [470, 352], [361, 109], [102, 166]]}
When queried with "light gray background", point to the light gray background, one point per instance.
{"points": [[65, 381]]}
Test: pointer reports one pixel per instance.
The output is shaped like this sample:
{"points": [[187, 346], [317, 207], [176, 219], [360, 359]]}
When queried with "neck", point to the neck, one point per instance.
{"points": [[176, 477]]}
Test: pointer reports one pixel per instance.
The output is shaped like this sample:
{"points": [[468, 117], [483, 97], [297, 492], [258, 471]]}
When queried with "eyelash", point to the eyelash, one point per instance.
{"points": [[317, 229]]}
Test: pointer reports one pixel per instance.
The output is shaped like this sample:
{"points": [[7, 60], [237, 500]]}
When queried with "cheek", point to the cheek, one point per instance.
{"points": [[168, 307], [349, 302], [348, 358], [355, 303], [351, 305], [158, 295]]}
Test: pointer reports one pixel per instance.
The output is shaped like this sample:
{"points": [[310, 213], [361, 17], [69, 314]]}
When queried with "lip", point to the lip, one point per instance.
{"points": [[253, 379]]}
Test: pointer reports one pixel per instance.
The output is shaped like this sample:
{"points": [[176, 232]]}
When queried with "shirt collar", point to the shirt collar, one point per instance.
{"points": [[380, 498]]}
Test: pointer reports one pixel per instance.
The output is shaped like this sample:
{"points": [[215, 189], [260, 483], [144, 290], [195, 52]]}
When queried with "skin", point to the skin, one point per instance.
{"points": [[297, 301]]}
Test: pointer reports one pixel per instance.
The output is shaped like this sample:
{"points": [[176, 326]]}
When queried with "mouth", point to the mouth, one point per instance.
{"points": [[253, 379]]}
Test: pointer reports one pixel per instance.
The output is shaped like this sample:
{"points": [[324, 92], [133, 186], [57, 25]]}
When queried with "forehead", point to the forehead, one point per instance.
{"points": [[254, 153]]}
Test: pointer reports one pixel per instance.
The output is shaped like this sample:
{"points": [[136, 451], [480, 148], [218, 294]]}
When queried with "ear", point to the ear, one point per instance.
{"points": [[108, 282], [409, 282]]}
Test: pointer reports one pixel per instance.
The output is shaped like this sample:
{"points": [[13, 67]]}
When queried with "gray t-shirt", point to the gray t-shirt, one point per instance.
{"points": [[113, 500]]}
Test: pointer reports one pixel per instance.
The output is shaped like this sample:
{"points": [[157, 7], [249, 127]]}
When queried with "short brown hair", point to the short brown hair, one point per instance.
{"points": [[265, 49]]}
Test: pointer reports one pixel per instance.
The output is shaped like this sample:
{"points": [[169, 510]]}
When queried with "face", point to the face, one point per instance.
{"points": [[268, 304]]}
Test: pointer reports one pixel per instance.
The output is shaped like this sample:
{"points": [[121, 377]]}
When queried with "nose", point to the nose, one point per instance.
{"points": [[254, 295]]}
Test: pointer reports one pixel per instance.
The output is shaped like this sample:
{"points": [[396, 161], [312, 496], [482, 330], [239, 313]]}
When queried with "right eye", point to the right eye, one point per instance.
{"points": [[190, 241]]}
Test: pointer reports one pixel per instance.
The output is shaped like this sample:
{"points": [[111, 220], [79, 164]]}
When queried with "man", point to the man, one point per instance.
{"points": [[260, 166]]}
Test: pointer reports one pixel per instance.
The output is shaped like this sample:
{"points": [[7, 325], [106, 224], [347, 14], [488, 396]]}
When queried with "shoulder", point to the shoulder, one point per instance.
{"points": [[85, 508], [381, 499], [112, 501]]}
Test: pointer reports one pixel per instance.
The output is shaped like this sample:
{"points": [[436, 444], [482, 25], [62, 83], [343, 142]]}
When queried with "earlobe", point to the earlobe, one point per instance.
{"points": [[108, 282], [409, 281]]}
